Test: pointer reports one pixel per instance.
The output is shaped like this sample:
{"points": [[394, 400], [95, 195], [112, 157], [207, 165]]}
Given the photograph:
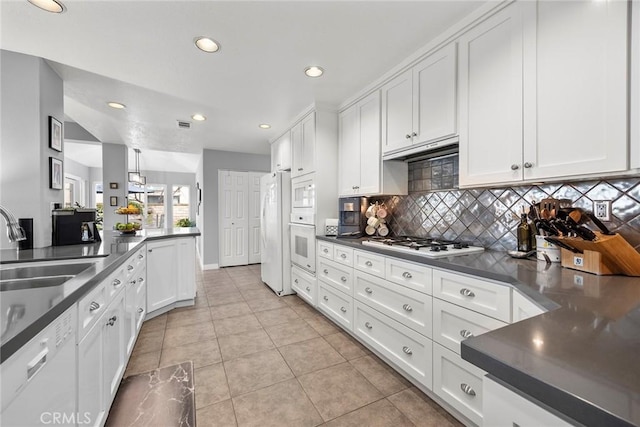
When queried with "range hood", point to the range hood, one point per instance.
{"points": [[425, 150]]}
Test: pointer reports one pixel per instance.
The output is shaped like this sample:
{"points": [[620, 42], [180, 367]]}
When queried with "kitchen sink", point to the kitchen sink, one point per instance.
{"points": [[44, 271], [32, 283]]}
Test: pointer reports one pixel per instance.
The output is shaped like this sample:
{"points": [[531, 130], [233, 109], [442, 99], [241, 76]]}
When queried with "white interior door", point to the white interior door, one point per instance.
{"points": [[254, 217], [233, 206]]}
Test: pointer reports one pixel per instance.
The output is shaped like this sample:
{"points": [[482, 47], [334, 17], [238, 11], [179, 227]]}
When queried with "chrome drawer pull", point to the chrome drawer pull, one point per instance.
{"points": [[325, 250], [467, 389], [368, 290], [342, 309], [140, 256], [466, 333], [343, 256], [407, 350], [325, 271], [368, 264], [117, 282], [344, 279], [94, 306], [129, 267], [407, 275], [295, 281], [140, 310], [368, 325], [407, 307], [326, 298], [133, 282], [112, 321], [140, 279], [467, 293], [308, 289]]}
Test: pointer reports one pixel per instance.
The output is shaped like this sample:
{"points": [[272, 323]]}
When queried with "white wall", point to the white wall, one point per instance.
{"points": [[114, 169], [200, 212], [78, 170], [213, 160], [31, 92]]}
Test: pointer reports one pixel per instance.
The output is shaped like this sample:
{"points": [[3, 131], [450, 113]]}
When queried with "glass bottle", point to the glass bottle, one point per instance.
{"points": [[524, 234]]}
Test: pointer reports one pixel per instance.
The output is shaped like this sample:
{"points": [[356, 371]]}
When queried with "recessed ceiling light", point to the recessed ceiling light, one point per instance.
{"points": [[264, 126], [116, 105], [206, 44], [314, 71], [48, 5], [199, 117]]}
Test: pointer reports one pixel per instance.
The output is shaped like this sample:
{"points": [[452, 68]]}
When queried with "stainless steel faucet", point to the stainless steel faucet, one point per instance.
{"points": [[14, 231]]}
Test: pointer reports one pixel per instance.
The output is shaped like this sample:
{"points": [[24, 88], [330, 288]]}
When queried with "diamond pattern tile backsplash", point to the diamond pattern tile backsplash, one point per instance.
{"points": [[489, 216]]}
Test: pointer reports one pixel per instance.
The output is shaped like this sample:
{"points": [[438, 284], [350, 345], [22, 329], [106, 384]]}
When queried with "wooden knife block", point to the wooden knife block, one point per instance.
{"points": [[604, 256]]}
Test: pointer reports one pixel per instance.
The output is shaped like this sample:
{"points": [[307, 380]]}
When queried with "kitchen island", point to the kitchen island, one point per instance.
{"points": [[579, 359]]}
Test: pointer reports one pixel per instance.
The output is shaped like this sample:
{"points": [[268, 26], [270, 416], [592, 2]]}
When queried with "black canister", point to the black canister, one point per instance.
{"points": [[27, 226]]}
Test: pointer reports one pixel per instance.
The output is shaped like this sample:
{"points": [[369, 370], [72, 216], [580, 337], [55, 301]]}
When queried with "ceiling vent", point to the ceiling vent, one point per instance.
{"points": [[184, 125]]}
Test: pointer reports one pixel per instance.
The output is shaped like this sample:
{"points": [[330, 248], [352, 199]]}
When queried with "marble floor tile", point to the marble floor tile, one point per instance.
{"points": [[264, 408], [188, 317], [419, 410], [157, 323], [338, 390], [252, 286], [292, 300], [142, 362], [348, 347], [219, 288], [219, 414], [230, 310], [149, 341], [321, 325], [277, 316], [182, 335], [288, 333], [305, 311], [263, 304], [216, 299], [201, 353], [211, 385], [255, 371], [380, 375], [261, 292], [236, 325], [310, 355], [160, 397], [237, 345], [379, 414], [246, 279]]}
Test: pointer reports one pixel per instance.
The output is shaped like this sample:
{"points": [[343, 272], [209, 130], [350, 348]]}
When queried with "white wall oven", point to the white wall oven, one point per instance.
{"points": [[303, 194], [303, 246]]}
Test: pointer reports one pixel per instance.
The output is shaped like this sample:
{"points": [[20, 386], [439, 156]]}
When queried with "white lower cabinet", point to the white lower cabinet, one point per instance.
{"points": [[337, 275], [186, 274], [504, 408], [115, 352], [336, 305], [523, 308], [458, 382], [414, 276], [305, 285], [406, 348]]}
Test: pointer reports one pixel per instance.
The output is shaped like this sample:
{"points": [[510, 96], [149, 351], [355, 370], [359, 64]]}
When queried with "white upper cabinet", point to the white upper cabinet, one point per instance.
{"points": [[543, 92], [419, 105], [361, 170], [281, 153], [303, 145]]}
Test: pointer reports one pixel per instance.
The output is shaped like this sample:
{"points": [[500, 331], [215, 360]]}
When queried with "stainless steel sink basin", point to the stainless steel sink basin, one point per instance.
{"points": [[44, 271], [32, 283]]}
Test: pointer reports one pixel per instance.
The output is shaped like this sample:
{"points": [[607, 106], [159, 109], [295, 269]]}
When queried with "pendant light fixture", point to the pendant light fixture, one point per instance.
{"points": [[136, 177]]}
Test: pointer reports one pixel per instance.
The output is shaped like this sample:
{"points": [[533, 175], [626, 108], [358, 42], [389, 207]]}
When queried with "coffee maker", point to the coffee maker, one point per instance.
{"points": [[351, 216], [74, 226]]}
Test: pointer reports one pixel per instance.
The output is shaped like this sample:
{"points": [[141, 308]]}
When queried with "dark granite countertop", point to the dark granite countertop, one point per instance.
{"points": [[581, 358], [45, 304]]}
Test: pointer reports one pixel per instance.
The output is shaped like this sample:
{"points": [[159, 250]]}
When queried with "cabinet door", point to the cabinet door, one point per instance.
{"points": [[434, 102], [186, 268], [281, 153], [397, 116], [114, 350], [349, 152], [370, 156], [309, 143], [297, 151], [576, 108], [490, 76], [91, 387], [161, 274]]}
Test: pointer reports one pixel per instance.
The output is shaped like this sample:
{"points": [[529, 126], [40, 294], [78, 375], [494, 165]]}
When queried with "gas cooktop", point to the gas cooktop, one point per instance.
{"points": [[424, 246]]}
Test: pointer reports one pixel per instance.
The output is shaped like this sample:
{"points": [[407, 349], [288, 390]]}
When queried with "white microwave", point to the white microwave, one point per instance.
{"points": [[303, 195], [303, 246]]}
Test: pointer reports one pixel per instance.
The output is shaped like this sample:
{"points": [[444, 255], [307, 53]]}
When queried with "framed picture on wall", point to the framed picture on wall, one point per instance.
{"points": [[55, 134], [55, 173], [113, 201]]}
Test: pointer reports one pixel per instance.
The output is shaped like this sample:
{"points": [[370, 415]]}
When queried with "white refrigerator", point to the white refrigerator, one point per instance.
{"points": [[275, 209]]}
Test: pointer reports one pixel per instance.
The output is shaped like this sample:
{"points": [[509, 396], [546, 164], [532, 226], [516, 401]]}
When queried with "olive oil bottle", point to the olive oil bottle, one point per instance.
{"points": [[524, 234]]}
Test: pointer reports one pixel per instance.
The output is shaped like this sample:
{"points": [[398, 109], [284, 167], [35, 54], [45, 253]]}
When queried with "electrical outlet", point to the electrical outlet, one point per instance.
{"points": [[602, 209]]}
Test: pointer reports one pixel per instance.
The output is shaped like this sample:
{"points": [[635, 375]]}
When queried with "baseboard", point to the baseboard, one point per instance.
{"points": [[210, 267]]}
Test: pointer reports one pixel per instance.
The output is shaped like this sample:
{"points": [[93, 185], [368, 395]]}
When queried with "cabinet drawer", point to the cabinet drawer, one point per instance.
{"points": [[452, 324], [305, 285], [336, 275], [140, 279], [140, 309], [343, 255], [409, 307], [411, 275], [116, 281], [368, 262], [325, 250], [482, 296], [409, 350], [336, 305], [90, 308], [458, 382]]}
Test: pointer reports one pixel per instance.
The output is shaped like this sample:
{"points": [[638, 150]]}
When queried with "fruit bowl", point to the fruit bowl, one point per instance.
{"points": [[127, 231]]}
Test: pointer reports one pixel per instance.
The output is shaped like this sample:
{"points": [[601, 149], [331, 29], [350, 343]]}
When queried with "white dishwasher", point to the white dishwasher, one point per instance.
{"points": [[39, 380]]}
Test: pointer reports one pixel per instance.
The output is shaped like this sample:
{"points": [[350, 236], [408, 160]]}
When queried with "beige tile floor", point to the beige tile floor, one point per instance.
{"points": [[262, 360]]}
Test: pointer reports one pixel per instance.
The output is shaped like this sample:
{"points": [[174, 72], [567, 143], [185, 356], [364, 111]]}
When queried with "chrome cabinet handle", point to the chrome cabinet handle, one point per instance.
{"points": [[129, 267], [140, 279], [467, 293], [468, 389], [343, 256], [325, 271], [344, 279], [515, 167], [408, 136], [407, 350], [466, 333], [368, 325], [342, 309], [325, 250], [368, 263], [116, 283], [140, 310], [299, 169], [140, 256], [407, 275], [112, 321], [308, 289], [94, 306], [414, 134], [295, 281], [326, 298], [368, 290], [132, 282], [150, 250], [528, 165], [407, 307]]}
